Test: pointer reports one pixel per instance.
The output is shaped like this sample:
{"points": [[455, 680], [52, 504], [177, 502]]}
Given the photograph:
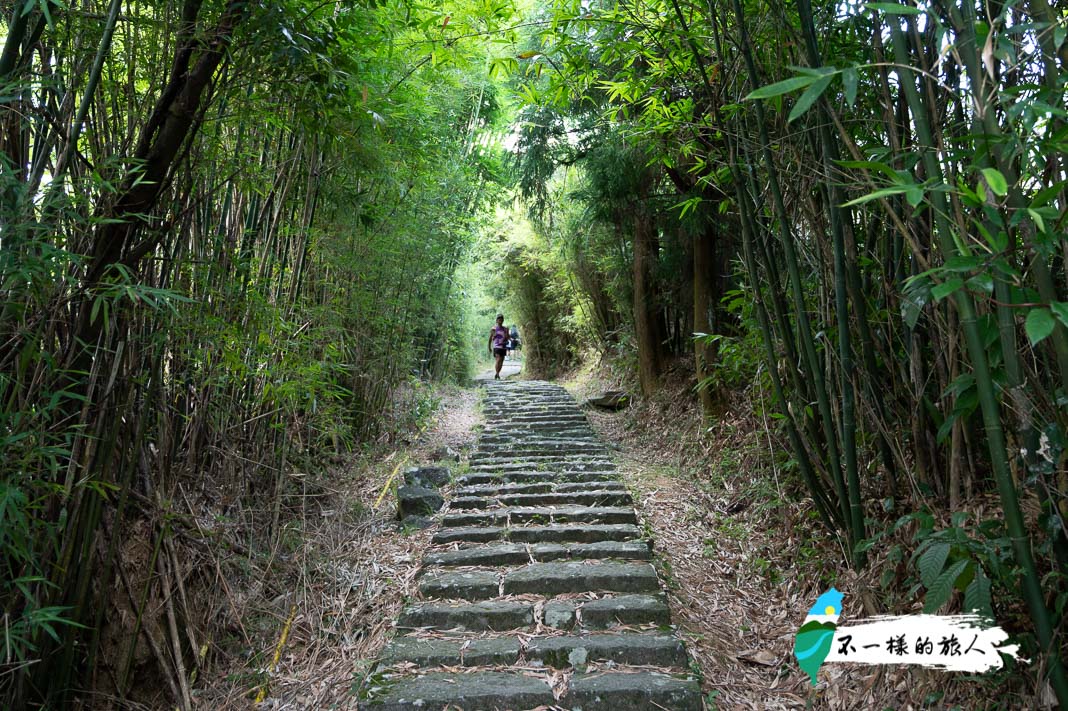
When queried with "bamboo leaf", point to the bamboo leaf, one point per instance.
{"points": [[880, 193], [809, 97], [892, 8], [1039, 325], [941, 588], [996, 181], [849, 83], [780, 87]]}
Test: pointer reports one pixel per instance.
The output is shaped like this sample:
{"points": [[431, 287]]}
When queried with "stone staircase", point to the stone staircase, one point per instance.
{"points": [[538, 592]]}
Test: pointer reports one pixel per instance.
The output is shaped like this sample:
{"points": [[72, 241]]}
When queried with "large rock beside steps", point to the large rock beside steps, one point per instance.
{"points": [[427, 477], [611, 400], [418, 501]]}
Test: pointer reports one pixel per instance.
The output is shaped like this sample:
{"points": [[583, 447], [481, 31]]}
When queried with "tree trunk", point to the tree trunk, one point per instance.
{"points": [[646, 317], [703, 322]]}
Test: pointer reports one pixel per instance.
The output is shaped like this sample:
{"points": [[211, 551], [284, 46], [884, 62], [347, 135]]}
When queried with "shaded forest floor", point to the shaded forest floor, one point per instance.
{"points": [[742, 559]]}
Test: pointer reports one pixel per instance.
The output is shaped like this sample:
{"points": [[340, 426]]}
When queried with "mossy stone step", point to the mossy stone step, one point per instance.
{"points": [[589, 533], [531, 476], [517, 554], [560, 578], [631, 649], [636, 692], [624, 610], [496, 616], [465, 585], [452, 652], [592, 497], [557, 514], [481, 691]]}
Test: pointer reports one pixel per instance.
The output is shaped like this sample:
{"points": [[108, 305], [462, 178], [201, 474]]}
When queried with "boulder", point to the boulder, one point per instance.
{"points": [[610, 400], [427, 477], [418, 501], [445, 453]]}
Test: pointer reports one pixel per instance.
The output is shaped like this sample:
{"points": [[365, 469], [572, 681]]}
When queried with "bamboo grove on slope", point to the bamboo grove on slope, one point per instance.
{"points": [[229, 231], [872, 197]]}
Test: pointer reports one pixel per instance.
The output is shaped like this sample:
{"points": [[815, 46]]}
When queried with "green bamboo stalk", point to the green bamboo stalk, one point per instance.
{"points": [[838, 215], [786, 237], [999, 458], [829, 514]]}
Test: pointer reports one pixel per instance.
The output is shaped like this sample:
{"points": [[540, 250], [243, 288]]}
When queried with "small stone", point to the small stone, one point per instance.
{"points": [[559, 614]]}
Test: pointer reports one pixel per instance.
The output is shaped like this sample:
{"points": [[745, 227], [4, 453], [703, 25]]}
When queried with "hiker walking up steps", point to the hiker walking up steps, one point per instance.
{"points": [[498, 345]]}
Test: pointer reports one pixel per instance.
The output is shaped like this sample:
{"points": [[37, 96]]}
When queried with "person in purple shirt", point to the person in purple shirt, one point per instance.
{"points": [[498, 345]]}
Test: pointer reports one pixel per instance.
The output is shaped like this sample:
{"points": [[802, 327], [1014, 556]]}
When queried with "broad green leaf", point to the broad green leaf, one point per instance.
{"points": [[892, 8], [938, 592], [949, 286], [932, 562], [1036, 217], [914, 195], [809, 97], [996, 181], [1039, 325], [1060, 310], [781, 87]]}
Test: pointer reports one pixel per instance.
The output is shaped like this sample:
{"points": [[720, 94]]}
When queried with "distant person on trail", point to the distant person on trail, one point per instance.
{"points": [[498, 345], [513, 341]]}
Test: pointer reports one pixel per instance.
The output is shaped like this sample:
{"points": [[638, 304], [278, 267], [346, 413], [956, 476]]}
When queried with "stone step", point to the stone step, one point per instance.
{"points": [[560, 578], [633, 649], [543, 515], [595, 497], [563, 466], [546, 579], [630, 649], [512, 691], [481, 691], [494, 615], [590, 533], [642, 691], [500, 651], [456, 585], [565, 452], [587, 533], [626, 610], [526, 476], [519, 554]]}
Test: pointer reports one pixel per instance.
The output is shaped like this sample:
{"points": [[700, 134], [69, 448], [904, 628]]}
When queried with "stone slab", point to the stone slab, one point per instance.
{"points": [[632, 649], [493, 554], [477, 616], [559, 578], [466, 585], [476, 534], [574, 534], [481, 691], [625, 610], [643, 690]]}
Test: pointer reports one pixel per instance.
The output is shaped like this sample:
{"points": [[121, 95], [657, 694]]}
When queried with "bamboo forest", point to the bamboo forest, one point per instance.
{"points": [[783, 298]]}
